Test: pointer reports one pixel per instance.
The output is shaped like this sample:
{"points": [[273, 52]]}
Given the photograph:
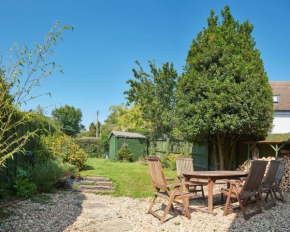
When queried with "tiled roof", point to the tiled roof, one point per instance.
{"points": [[127, 135], [281, 88], [111, 127]]}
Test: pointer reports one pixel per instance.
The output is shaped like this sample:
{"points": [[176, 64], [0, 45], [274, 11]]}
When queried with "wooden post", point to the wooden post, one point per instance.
{"points": [[276, 149]]}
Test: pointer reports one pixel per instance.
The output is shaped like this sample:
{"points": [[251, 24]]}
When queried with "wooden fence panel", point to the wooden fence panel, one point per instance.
{"points": [[18, 160], [199, 154]]}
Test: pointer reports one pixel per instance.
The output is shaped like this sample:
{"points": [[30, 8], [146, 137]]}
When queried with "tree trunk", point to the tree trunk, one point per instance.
{"points": [[232, 154], [215, 158], [167, 144], [220, 140]]}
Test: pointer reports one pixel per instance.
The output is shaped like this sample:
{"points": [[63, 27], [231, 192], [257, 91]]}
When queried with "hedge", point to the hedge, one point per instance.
{"points": [[93, 147]]}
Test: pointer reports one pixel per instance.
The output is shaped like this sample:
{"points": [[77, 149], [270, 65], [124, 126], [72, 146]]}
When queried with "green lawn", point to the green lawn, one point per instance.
{"points": [[131, 179]]}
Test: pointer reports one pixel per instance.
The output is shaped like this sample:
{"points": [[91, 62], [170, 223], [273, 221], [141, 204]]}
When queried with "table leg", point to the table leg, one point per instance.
{"points": [[210, 194]]}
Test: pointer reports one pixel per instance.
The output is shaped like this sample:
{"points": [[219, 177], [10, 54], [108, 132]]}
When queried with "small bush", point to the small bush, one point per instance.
{"points": [[5, 192], [170, 161], [46, 174], [69, 168], [18, 186], [124, 153]]}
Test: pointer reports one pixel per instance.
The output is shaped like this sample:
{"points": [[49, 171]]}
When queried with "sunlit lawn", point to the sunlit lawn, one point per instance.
{"points": [[130, 179]]}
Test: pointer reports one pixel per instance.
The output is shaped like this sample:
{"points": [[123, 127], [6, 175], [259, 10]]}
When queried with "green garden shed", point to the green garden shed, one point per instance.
{"points": [[136, 144]]}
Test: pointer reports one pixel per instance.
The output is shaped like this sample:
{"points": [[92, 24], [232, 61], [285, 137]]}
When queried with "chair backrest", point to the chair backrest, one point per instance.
{"points": [[255, 176], [280, 172], [156, 172], [184, 165], [269, 179]]}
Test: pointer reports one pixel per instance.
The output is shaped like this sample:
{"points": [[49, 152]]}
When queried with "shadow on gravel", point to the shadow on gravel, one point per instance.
{"points": [[59, 212]]}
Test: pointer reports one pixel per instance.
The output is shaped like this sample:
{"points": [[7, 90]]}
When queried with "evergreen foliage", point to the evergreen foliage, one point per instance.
{"points": [[224, 93]]}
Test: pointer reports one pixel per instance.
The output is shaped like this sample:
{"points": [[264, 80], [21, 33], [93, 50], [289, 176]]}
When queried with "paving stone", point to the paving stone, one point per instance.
{"points": [[99, 215], [111, 226], [90, 205]]}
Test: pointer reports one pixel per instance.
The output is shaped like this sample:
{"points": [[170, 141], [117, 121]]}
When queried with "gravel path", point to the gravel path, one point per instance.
{"points": [[86, 212]]}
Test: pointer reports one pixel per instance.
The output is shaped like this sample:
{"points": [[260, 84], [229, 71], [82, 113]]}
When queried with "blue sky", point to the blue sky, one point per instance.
{"points": [[109, 36]]}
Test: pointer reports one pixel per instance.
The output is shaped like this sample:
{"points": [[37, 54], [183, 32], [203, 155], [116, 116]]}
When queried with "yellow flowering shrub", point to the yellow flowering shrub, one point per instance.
{"points": [[59, 146]]}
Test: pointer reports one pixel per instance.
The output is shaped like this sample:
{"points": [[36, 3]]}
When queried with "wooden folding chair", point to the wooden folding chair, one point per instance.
{"points": [[267, 184], [278, 178], [186, 165], [242, 193], [164, 190]]}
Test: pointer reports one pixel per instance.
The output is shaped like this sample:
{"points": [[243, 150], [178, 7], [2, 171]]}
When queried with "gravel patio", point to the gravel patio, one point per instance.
{"points": [[71, 211]]}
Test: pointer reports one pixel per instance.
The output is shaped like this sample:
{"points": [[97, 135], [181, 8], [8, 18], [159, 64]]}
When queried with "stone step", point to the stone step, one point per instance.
{"points": [[97, 187], [89, 182], [95, 191], [104, 183], [89, 178]]}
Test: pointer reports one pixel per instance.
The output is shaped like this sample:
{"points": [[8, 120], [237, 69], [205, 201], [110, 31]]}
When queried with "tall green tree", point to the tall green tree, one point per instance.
{"points": [[116, 113], [153, 94], [224, 93], [131, 120], [93, 129], [68, 118]]}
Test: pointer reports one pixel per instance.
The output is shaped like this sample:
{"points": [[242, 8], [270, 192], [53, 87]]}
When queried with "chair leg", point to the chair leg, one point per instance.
{"points": [[242, 208], [227, 205], [262, 198], [266, 198], [168, 206], [258, 204], [281, 196], [202, 192], [185, 204], [228, 201], [273, 199], [152, 203]]}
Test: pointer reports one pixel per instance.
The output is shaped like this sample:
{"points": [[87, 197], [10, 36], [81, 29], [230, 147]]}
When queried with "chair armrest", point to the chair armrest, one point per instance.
{"points": [[178, 184], [233, 183], [170, 179]]}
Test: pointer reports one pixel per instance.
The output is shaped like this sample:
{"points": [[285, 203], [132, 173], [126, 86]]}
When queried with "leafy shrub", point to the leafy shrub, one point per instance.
{"points": [[46, 174], [18, 186], [170, 161], [124, 153], [5, 192], [93, 147], [76, 156], [59, 146]]}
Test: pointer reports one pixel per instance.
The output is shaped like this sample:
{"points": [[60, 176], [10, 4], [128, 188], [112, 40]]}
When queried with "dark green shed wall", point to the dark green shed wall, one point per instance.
{"points": [[135, 145]]}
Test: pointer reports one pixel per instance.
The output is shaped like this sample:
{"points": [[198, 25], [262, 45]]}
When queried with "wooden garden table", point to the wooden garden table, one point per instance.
{"points": [[212, 177]]}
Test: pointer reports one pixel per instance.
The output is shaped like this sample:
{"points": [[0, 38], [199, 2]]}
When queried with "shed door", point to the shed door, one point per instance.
{"points": [[112, 148], [200, 158]]}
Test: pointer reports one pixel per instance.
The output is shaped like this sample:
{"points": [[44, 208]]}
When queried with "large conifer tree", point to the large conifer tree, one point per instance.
{"points": [[224, 93]]}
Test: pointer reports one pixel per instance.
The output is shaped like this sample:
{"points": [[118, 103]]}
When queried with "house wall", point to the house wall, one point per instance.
{"points": [[281, 122]]}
